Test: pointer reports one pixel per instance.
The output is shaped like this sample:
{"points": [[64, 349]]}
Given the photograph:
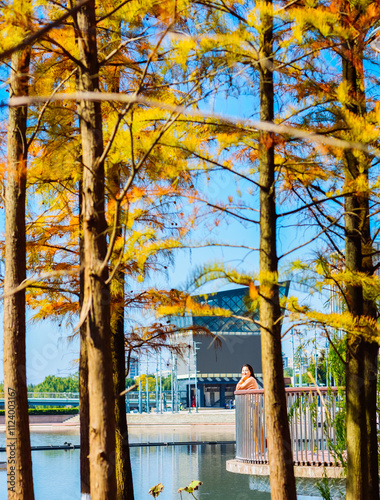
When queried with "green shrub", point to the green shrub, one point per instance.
{"points": [[50, 411]]}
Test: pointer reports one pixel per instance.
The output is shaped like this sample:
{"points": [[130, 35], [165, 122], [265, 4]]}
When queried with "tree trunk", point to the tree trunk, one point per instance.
{"points": [[123, 467], [282, 480], [122, 455], [370, 390], [19, 460], [84, 417], [84, 414], [96, 290], [124, 481], [370, 363], [361, 367]]}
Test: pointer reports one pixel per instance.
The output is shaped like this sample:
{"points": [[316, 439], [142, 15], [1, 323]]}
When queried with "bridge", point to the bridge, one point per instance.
{"points": [[55, 399], [134, 401]]}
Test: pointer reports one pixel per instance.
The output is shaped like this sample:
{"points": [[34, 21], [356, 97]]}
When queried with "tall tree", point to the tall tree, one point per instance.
{"points": [[84, 411], [122, 454], [19, 462], [110, 77], [237, 36], [362, 353], [342, 28], [123, 466], [96, 305], [279, 444]]}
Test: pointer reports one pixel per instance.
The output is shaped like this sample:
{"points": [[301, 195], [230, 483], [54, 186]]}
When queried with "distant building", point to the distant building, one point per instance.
{"points": [[218, 368], [133, 368], [285, 361]]}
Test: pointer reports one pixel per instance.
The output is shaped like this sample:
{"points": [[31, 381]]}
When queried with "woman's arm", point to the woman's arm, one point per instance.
{"points": [[248, 383], [239, 384]]}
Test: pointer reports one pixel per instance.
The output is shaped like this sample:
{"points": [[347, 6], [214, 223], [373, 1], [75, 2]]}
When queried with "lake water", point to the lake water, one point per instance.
{"points": [[56, 473]]}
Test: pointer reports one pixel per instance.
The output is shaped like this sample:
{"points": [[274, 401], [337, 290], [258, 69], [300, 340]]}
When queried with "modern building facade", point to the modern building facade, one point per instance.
{"points": [[133, 368], [211, 367]]}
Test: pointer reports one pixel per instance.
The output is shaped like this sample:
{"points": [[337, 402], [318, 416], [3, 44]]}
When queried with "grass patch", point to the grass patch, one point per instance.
{"points": [[50, 411]]}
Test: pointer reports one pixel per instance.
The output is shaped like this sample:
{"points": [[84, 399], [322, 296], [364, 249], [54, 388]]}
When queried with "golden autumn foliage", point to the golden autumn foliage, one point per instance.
{"points": [[168, 174]]}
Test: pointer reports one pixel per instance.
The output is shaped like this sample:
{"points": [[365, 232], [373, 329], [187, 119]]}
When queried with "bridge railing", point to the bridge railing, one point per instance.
{"points": [[162, 402], [133, 400], [49, 395], [131, 396], [53, 395], [315, 417]]}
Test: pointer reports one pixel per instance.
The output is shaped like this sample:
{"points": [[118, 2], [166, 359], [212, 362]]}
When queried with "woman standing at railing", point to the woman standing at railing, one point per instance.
{"points": [[247, 380]]}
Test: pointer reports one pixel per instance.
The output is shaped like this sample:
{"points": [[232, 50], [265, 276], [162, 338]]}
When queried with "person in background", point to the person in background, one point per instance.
{"points": [[247, 380]]}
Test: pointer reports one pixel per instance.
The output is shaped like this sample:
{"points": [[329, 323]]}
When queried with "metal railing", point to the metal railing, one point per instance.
{"points": [[315, 418], [49, 395], [164, 402]]}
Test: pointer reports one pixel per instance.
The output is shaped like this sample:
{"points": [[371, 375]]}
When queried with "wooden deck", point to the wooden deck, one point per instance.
{"points": [[322, 458], [310, 471]]}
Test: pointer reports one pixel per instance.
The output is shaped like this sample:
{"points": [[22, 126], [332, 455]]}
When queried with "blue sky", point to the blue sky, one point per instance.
{"points": [[48, 350], [50, 353]]}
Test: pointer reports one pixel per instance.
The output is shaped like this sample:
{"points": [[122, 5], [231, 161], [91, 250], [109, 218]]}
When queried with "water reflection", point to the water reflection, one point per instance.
{"points": [[56, 473]]}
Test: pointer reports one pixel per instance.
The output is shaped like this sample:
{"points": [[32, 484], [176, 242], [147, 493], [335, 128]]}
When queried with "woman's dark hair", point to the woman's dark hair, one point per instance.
{"points": [[250, 369]]}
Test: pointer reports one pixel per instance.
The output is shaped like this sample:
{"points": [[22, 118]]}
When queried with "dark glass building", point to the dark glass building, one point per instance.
{"points": [[217, 358]]}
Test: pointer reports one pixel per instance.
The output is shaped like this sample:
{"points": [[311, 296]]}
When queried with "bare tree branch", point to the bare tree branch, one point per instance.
{"points": [[237, 121]]}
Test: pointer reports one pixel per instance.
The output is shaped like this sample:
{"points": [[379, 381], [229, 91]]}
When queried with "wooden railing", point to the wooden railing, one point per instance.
{"points": [[316, 418]]}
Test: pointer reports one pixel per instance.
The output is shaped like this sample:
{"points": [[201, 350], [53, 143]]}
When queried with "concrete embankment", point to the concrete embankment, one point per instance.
{"points": [[41, 419]]}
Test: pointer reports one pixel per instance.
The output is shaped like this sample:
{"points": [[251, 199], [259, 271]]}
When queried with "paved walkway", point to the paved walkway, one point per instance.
{"points": [[202, 417]]}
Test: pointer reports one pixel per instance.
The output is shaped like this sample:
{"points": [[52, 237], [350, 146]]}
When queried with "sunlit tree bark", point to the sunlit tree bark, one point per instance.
{"points": [[361, 367], [122, 456], [84, 414], [96, 304], [279, 445], [19, 462]]}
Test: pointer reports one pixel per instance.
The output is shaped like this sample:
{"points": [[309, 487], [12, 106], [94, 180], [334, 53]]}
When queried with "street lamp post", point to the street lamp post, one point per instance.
{"points": [[172, 382], [140, 386], [196, 375], [176, 391], [189, 398], [293, 365], [316, 359], [147, 386], [157, 410], [327, 362], [160, 384], [316, 368]]}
